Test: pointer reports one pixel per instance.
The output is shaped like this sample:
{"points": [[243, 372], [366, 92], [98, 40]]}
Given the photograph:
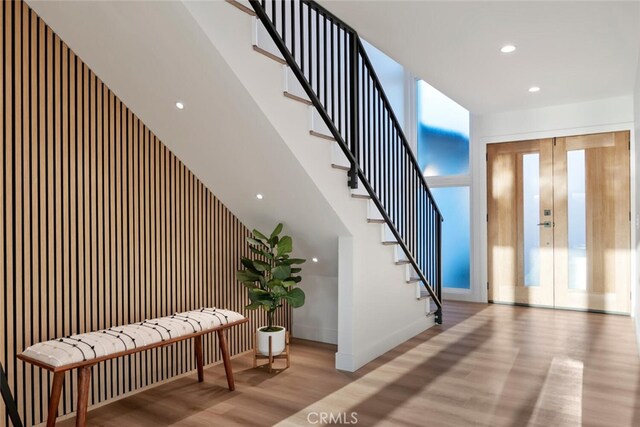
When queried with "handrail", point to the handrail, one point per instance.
{"points": [[383, 95], [363, 124]]}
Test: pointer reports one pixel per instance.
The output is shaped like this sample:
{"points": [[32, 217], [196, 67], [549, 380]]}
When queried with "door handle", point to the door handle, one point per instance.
{"points": [[546, 224]]}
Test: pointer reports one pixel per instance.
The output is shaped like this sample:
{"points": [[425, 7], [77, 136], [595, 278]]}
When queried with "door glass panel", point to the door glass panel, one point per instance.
{"points": [[577, 223], [531, 218], [456, 241]]}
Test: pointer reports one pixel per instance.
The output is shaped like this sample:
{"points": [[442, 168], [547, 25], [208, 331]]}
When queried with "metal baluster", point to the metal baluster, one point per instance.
{"points": [[293, 28], [353, 69], [273, 12], [302, 33], [309, 40]]}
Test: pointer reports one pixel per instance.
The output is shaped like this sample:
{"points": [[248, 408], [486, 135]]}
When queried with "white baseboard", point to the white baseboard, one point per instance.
{"points": [[365, 354], [314, 333]]}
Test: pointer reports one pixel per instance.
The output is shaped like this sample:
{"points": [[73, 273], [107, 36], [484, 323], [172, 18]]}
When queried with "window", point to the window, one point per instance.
{"points": [[454, 205], [443, 156], [443, 134]]}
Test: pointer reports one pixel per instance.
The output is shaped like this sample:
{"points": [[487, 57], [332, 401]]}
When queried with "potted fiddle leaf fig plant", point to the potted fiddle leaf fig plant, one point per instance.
{"points": [[271, 279]]}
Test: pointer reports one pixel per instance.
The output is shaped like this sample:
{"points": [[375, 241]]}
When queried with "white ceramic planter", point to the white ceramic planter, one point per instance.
{"points": [[277, 341]]}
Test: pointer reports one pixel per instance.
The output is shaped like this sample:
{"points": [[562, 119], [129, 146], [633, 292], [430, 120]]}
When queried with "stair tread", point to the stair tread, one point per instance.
{"points": [[296, 98], [268, 54], [242, 7], [321, 135]]}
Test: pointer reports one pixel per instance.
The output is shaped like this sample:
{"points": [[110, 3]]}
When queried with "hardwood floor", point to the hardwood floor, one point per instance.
{"points": [[488, 365]]}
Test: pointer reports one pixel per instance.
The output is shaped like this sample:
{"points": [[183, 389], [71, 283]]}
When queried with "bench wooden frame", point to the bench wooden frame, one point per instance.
{"points": [[84, 369]]}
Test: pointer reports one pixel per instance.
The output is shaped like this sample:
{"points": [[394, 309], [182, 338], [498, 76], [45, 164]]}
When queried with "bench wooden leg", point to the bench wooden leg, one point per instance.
{"points": [[84, 380], [54, 398], [199, 357], [224, 351]]}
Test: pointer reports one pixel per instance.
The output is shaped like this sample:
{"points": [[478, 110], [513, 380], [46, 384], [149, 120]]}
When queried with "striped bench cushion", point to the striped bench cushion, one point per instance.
{"points": [[83, 347]]}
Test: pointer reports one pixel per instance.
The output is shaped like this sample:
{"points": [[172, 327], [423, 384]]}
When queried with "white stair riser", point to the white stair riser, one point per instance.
{"points": [[292, 86], [317, 126], [338, 158], [372, 212], [400, 255], [263, 42], [387, 235], [360, 191], [410, 272]]}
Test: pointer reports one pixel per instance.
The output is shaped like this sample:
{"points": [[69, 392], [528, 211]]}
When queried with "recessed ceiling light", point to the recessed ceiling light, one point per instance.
{"points": [[534, 89], [508, 48], [314, 259], [179, 105], [259, 196]]}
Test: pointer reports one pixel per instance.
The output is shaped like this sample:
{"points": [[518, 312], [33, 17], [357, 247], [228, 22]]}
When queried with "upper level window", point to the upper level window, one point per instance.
{"points": [[443, 134]]}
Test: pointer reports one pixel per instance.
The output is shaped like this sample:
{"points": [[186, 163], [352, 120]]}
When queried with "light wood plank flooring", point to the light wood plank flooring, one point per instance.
{"points": [[488, 365]]}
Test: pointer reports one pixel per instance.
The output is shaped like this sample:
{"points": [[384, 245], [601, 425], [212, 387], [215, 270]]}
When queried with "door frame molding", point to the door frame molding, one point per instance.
{"points": [[479, 196]]}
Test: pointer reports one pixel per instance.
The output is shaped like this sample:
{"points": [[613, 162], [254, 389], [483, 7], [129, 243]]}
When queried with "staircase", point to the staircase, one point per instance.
{"points": [[328, 85], [335, 76]]}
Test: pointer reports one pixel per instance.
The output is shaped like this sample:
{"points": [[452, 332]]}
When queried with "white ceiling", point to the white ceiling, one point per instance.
{"points": [[152, 54], [574, 51]]}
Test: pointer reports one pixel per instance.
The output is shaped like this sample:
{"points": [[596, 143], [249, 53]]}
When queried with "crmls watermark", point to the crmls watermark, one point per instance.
{"points": [[340, 418]]}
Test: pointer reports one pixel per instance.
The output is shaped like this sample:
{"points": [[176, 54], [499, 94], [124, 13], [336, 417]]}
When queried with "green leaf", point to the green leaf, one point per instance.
{"points": [[248, 264], [261, 252], [273, 282], [285, 245], [276, 231], [288, 283], [247, 276], [253, 306], [268, 304], [296, 279], [279, 291], [281, 272], [259, 235], [295, 270], [273, 241], [261, 296], [261, 266], [254, 242], [295, 297]]}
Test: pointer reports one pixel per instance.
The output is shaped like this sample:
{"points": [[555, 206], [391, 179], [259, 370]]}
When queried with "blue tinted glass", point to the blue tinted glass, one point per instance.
{"points": [[454, 205], [443, 134]]}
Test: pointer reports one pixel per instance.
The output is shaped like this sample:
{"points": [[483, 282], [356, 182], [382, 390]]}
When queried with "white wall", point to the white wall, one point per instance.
{"points": [[392, 76], [317, 320], [604, 115]]}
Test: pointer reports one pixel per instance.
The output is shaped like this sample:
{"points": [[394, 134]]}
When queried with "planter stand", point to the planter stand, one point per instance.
{"points": [[270, 358]]}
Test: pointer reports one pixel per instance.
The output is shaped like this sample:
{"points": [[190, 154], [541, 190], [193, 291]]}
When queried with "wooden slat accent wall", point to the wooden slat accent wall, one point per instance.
{"points": [[100, 224]]}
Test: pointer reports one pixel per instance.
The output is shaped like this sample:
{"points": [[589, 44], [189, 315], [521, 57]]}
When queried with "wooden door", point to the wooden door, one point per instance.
{"points": [[593, 230], [572, 249], [520, 225]]}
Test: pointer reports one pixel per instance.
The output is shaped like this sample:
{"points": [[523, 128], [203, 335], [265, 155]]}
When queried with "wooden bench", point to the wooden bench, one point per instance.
{"points": [[83, 351]]}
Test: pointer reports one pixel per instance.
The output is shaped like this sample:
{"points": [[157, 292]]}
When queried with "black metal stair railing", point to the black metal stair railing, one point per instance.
{"points": [[330, 62]]}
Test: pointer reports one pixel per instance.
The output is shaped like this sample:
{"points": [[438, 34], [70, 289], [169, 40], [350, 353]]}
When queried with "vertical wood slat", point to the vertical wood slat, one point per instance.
{"points": [[100, 224]]}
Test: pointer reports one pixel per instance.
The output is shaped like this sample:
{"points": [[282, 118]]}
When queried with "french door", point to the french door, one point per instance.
{"points": [[559, 222]]}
